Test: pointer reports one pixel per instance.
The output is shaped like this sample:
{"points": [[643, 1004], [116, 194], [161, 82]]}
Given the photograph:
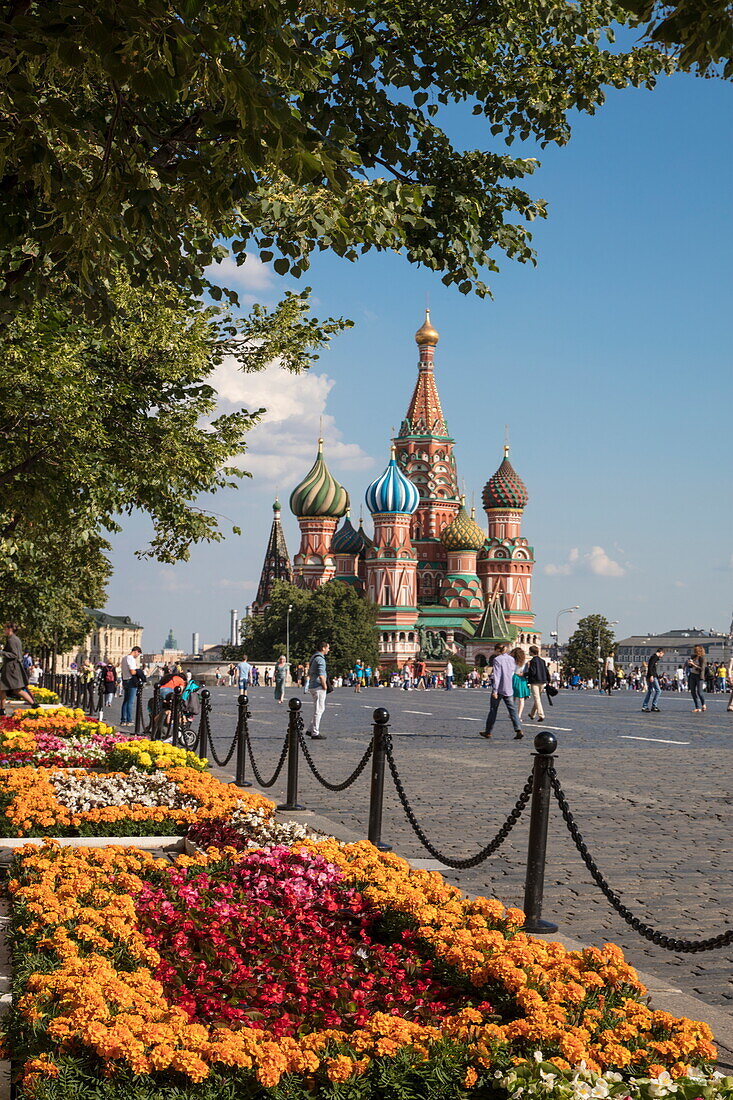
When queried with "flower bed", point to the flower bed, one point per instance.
{"points": [[65, 738], [325, 970], [44, 695], [74, 802]]}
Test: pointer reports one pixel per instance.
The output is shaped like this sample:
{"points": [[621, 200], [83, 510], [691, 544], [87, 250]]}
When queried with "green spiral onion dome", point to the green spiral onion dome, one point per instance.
{"points": [[319, 494], [348, 540], [463, 533], [506, 488]]}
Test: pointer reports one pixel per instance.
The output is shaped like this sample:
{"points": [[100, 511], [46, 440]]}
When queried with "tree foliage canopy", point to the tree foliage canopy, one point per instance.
{"points": [[96, 422], [593, 639], [332, 613], [699, 31], [132, 135]]}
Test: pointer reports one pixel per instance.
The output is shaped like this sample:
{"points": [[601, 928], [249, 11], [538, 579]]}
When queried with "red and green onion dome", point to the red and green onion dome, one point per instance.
{"points": [[463, 533], [347, 539], [319, 494], [506, 488]]}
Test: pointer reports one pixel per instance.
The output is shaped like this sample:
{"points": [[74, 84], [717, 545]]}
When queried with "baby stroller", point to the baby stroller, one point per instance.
{"points": [[159, 726]]}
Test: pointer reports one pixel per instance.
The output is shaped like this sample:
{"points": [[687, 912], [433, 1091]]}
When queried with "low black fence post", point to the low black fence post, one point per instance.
{"points": [[176, 715], [155, 715], [376, 793], [139, 720], [545, 743], [242, 735], [294, 722], [201, 747]]}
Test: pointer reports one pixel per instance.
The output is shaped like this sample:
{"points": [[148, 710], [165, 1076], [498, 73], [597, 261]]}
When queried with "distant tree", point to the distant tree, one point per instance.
{"points": [[460, 670], [583, 650], [332, 613]]}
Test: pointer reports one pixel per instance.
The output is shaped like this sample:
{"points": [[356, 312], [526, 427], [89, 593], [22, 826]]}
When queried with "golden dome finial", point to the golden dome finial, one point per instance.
{"points": [[426, 334], [506, 450]]}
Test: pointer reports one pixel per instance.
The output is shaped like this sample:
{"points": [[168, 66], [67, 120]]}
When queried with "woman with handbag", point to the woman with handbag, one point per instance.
{"points": [[13, 677]]}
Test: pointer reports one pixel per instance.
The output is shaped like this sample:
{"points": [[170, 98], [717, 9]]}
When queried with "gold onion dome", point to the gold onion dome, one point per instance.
{"points": [[463, 533], [505, 489], [426, 334], [319, 494]]}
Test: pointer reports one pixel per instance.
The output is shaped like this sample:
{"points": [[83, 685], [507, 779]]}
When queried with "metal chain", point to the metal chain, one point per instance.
{"points": [[645, 930], [324, 782], [221, 763], [487, 850], [278, 769]]}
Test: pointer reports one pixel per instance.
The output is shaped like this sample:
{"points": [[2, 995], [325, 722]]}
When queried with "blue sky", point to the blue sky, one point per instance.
{"points": [[610, 361]]}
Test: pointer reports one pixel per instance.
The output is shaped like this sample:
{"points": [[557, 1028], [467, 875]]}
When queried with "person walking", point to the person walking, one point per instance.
{"points": [[538, 677], [108, 681], [13, 676], [318, 687], [519, 681], [129, 671], [730, 685], [696, 678], [244, 674], [421, 671], [503, 688], [609, 674], [280, 676], [449, 676], [653, 689]]}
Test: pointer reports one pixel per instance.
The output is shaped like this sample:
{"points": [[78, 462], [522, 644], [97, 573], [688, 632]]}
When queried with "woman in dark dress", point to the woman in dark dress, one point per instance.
{"points": [[281, 672], [12, 675], [696, 678]]}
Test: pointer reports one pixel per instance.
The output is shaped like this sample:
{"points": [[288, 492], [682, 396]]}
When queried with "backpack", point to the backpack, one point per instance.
{"points": [[109, 675]]}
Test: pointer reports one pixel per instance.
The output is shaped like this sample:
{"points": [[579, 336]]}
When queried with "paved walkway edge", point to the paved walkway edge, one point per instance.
{"points": [[668, 999]]}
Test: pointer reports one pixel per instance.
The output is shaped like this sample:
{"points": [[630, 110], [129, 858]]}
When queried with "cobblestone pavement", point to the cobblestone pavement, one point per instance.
{"points": [[651, 794]]}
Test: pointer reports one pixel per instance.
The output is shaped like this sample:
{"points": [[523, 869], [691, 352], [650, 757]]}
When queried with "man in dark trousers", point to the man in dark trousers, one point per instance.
{"points": [[503, 688], [537, 677], [653, 689]]}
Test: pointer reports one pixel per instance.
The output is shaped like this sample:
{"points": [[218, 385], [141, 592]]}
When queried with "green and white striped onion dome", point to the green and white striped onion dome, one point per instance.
{"points": [[319, 494], [462, 533]]}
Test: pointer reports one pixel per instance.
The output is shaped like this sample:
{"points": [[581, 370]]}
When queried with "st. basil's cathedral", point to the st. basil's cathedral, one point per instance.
{"points": [[442, 583]]}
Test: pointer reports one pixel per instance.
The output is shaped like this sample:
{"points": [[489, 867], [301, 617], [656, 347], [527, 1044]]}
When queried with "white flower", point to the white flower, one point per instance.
{"points": [[582, 1090]]}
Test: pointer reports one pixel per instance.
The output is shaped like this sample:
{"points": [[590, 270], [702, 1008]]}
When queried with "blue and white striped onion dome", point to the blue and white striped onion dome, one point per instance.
{"points": [[392, 492]]}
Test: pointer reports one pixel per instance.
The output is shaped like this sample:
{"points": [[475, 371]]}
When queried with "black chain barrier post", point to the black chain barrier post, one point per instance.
{"points": [[242, 735], [139, 720], [534, 886], [202, 738], [155, 715], [176, 715], [294, 722], [376, 792]]}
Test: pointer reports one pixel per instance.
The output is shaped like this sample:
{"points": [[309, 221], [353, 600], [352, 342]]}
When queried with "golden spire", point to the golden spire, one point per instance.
{"points": [[426, 334]]}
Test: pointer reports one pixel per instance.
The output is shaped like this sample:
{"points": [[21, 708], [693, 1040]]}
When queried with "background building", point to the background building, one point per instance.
{"points": [[634, 652], [110, 637]]}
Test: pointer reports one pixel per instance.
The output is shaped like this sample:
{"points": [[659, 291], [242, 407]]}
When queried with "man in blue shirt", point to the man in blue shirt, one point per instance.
{"points": [[504, 667], [318, 686], [244, 674]]}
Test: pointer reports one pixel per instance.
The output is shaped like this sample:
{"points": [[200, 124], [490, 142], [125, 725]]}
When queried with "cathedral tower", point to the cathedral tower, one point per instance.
{"points": [[318, 503], [505, 564], [425, 454], [391, 561], [462, 539], [276, 566]]}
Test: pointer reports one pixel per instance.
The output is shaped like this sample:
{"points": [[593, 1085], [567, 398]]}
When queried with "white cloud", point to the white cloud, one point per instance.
{"points": [[229, 584], [602, 565], [248, 279], [282, 447], [595, 561], [567, 568]]}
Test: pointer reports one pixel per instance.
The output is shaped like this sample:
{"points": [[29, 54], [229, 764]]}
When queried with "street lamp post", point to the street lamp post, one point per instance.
{"points": [[287, 639], [565, 611]]}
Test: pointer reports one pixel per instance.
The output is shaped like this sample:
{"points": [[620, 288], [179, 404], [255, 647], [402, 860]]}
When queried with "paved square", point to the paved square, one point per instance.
{"points": [[650, 792]]}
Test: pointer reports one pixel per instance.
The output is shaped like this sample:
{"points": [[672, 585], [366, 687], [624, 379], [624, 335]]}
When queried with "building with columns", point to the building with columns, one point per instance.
{"points": [[443, 583]]}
